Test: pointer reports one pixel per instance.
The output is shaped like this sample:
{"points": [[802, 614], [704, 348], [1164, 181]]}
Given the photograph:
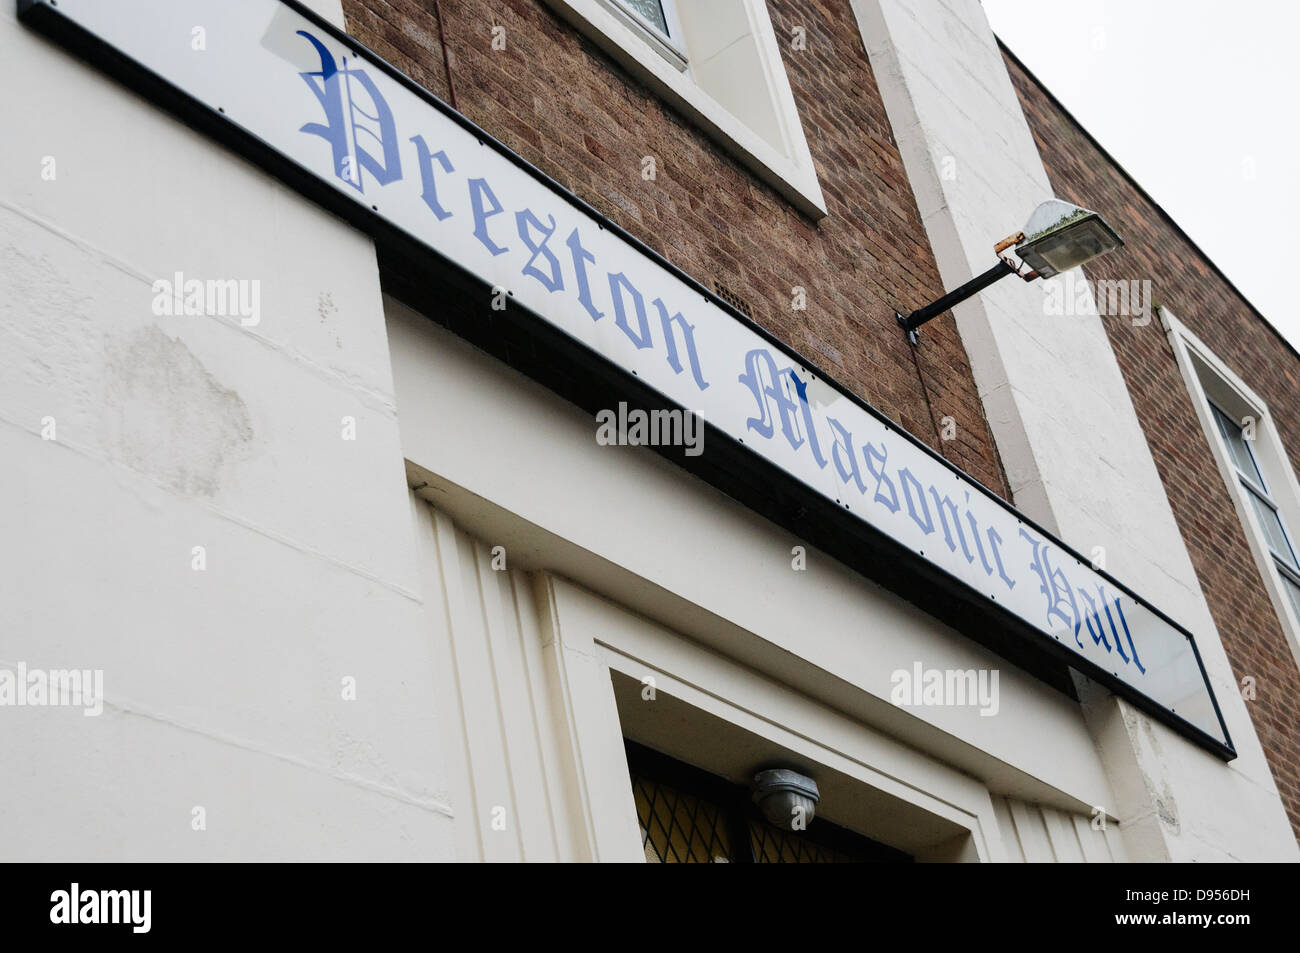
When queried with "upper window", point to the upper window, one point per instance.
{"points": [[655, 22], [650, 11], [719, 64], [1239, 436], [1255, 466]]}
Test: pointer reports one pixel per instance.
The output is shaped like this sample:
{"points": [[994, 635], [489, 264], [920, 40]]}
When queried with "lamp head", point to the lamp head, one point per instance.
{"points": [[1061, 236]]}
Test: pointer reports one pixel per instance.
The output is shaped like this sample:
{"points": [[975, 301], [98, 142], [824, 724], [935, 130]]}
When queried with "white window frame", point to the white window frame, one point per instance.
{"points": [[666, 45], [1211, 381], [632, 43]]}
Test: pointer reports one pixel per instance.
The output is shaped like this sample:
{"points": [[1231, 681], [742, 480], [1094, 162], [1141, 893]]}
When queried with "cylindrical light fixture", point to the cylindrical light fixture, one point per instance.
{"points": [[787, 798]]}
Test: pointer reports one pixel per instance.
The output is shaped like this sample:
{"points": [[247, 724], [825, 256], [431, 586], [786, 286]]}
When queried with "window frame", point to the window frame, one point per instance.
{"points": [[631, 42], [668, 45], [1216, 389], [1256, 487]]}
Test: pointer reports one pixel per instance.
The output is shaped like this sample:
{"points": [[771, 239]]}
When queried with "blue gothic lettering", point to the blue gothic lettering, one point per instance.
{"points": [[940, 503], [975, 535], [1119, 611], [346, 121], [617, 282], [908, 481], [426, 158], [478, 190], [526, 220], [1092, 622], [881, 457], [846, 460], [1055, 588], [786, 406], [1098, 631], [995, 540], [688, 338], [581, 258]]}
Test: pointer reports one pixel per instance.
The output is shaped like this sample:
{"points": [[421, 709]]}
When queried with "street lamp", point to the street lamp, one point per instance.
{"points": [[1058, 236]]}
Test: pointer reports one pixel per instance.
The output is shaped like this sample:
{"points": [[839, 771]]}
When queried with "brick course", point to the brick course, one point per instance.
{"points": [[560, 102], [1203, 299]]}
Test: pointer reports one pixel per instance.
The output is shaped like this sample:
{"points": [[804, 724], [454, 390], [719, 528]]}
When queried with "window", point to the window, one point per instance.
{"points": [[1255, 466], [655, 23], [688, 816], [719, 64], [651, 12], [1238, 438]]}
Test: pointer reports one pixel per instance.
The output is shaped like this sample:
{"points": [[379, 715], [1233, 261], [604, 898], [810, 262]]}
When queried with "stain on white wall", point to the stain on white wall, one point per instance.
{"points": [[198, 528]]}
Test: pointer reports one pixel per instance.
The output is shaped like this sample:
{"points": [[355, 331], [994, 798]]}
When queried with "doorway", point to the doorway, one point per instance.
{"points": [[688, 816]]}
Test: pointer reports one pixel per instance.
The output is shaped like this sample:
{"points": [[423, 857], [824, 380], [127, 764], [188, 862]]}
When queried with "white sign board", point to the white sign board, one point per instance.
{"points": [[314, 97]]}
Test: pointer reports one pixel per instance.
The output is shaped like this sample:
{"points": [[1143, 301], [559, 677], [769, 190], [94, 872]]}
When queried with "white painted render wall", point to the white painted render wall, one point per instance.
{"points": [[1037, 834], [537, 762], [500, 456], [1073, 449], [224, 687]]}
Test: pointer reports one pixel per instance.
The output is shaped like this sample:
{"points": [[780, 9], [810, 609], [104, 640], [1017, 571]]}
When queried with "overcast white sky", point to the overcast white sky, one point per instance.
{"points": [[1200, 102]]}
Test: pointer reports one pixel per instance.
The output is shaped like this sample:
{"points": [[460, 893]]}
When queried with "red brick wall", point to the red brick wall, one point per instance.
{"points": [[1186, 282], [555, 98]]}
